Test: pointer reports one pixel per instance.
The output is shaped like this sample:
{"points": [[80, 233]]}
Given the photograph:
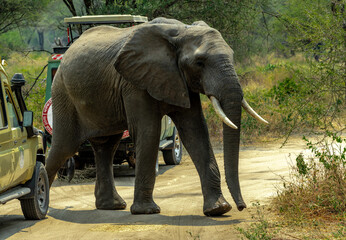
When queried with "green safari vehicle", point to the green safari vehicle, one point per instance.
{"points": [[170, 143], [22, 151]]}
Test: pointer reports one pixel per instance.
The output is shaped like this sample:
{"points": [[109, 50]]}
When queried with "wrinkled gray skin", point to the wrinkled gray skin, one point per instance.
{"points": [[113, 79]]}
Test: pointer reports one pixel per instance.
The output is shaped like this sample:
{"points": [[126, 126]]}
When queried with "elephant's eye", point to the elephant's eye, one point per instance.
{"points": [[200, 63]]}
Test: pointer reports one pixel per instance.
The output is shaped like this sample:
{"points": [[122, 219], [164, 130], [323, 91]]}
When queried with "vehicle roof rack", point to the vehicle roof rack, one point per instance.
{"points": [[106, 19]]}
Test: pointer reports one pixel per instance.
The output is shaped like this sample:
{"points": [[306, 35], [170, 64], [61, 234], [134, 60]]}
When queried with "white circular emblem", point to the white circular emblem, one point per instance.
{"points": [[47, 116]]}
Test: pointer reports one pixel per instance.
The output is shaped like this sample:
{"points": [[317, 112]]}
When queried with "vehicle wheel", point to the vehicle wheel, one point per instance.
{"points": [[67, 171], [173, 156], [36, 208]]}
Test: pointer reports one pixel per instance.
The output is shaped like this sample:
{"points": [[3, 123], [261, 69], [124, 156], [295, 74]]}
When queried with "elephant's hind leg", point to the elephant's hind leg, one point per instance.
{"points": [[58, 156], [106, 195]]}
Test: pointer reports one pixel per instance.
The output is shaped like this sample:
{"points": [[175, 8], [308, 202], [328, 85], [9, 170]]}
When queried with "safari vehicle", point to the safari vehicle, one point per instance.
{"points": [[22, 151], [170, 143]]}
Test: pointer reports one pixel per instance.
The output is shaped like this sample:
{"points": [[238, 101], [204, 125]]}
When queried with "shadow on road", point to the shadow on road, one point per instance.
{"points": [[12, 224], [125, 171], [124, 217], [123, 176]]}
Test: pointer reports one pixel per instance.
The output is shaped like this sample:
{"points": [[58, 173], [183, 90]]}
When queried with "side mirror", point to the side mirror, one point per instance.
{"points": [[28, 118], [18, 80]]}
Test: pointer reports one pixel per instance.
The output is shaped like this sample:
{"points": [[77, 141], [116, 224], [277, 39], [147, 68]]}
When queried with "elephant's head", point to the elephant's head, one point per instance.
{"points": [[170, 59]]}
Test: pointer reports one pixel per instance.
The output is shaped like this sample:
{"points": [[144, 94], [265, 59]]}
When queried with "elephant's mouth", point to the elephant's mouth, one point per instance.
{"points": [[225, 119]]}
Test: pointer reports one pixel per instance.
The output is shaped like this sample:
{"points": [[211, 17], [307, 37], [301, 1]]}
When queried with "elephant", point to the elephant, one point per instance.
{"points": [[113, 79]]}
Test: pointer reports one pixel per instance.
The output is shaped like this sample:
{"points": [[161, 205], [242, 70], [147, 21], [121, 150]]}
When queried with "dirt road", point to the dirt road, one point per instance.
{"points": [[72, 213]]}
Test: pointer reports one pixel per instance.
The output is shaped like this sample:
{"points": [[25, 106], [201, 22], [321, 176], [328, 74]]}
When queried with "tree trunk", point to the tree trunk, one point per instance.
{"points": [[40, 34]]}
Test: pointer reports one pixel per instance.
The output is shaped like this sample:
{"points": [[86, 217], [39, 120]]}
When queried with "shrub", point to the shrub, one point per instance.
{"points": [[317, 188]]}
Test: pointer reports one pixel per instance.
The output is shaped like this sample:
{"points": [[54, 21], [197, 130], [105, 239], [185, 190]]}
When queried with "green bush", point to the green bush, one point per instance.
{"points": [[284, 90]]}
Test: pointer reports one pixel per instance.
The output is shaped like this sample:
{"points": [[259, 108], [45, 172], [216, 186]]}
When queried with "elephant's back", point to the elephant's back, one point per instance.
{"points": [[98, 43], [90, 59]]}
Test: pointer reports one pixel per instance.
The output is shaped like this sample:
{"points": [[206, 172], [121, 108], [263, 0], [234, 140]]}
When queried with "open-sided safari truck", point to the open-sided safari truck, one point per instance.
{"points": [[170, 143], [22, 151]]}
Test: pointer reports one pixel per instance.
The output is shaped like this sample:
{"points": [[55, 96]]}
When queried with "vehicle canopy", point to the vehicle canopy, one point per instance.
{"points": [[93, 20], [106, 19]]}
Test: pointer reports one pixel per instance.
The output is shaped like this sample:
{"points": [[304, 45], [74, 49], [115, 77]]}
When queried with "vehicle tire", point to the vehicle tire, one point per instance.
{"points": [[173, 156], [36, 208]]}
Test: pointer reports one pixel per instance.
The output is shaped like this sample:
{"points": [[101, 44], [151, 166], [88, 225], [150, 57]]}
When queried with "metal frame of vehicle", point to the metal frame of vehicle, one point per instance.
{"points": [[170, 143], [22, 151]]}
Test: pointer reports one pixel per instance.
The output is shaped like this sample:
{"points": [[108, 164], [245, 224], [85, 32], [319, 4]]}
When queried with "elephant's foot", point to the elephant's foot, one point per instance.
{"points": [[145, 208], [111, 204], [216, 208]]}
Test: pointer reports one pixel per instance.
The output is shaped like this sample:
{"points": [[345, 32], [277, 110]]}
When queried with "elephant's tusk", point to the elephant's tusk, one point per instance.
{"points": [[252, 112], [220, 112]]}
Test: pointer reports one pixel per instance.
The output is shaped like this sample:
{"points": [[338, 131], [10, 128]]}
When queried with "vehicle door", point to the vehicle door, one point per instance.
{"points": [[6, 143], [22, 155], [163, 127], [167, 127]]}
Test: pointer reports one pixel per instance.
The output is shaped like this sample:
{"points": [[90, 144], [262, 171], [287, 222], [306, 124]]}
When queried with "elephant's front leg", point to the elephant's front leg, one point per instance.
{"points": [[144, 122], [194, 135], [106, 195]]}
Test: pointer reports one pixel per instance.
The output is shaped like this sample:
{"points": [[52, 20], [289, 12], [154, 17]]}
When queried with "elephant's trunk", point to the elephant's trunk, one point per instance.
{"points": [[231, 139]]}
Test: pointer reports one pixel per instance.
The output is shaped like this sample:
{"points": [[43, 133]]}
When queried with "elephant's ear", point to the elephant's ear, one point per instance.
{"points": [[148, 60]]}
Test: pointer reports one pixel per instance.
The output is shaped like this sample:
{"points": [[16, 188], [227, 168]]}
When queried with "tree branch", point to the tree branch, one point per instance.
{"points": [[163, 9], [70, 6]]}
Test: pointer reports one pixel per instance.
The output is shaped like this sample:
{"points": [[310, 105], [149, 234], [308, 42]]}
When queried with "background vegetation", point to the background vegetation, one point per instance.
{"points": [[290, 55], [290, 58]]}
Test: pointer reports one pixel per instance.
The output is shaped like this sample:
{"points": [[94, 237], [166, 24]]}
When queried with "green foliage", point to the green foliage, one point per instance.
{"points": [[15, 13], [269, 67], [36, 29], [10, 40], [292, 95], [332, 156], [240, 22], [284, 90], [317, 30], [302, 166]]}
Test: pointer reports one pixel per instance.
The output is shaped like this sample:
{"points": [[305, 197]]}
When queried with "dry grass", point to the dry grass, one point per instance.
{"points": [[311, 204], [314, 197]]}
